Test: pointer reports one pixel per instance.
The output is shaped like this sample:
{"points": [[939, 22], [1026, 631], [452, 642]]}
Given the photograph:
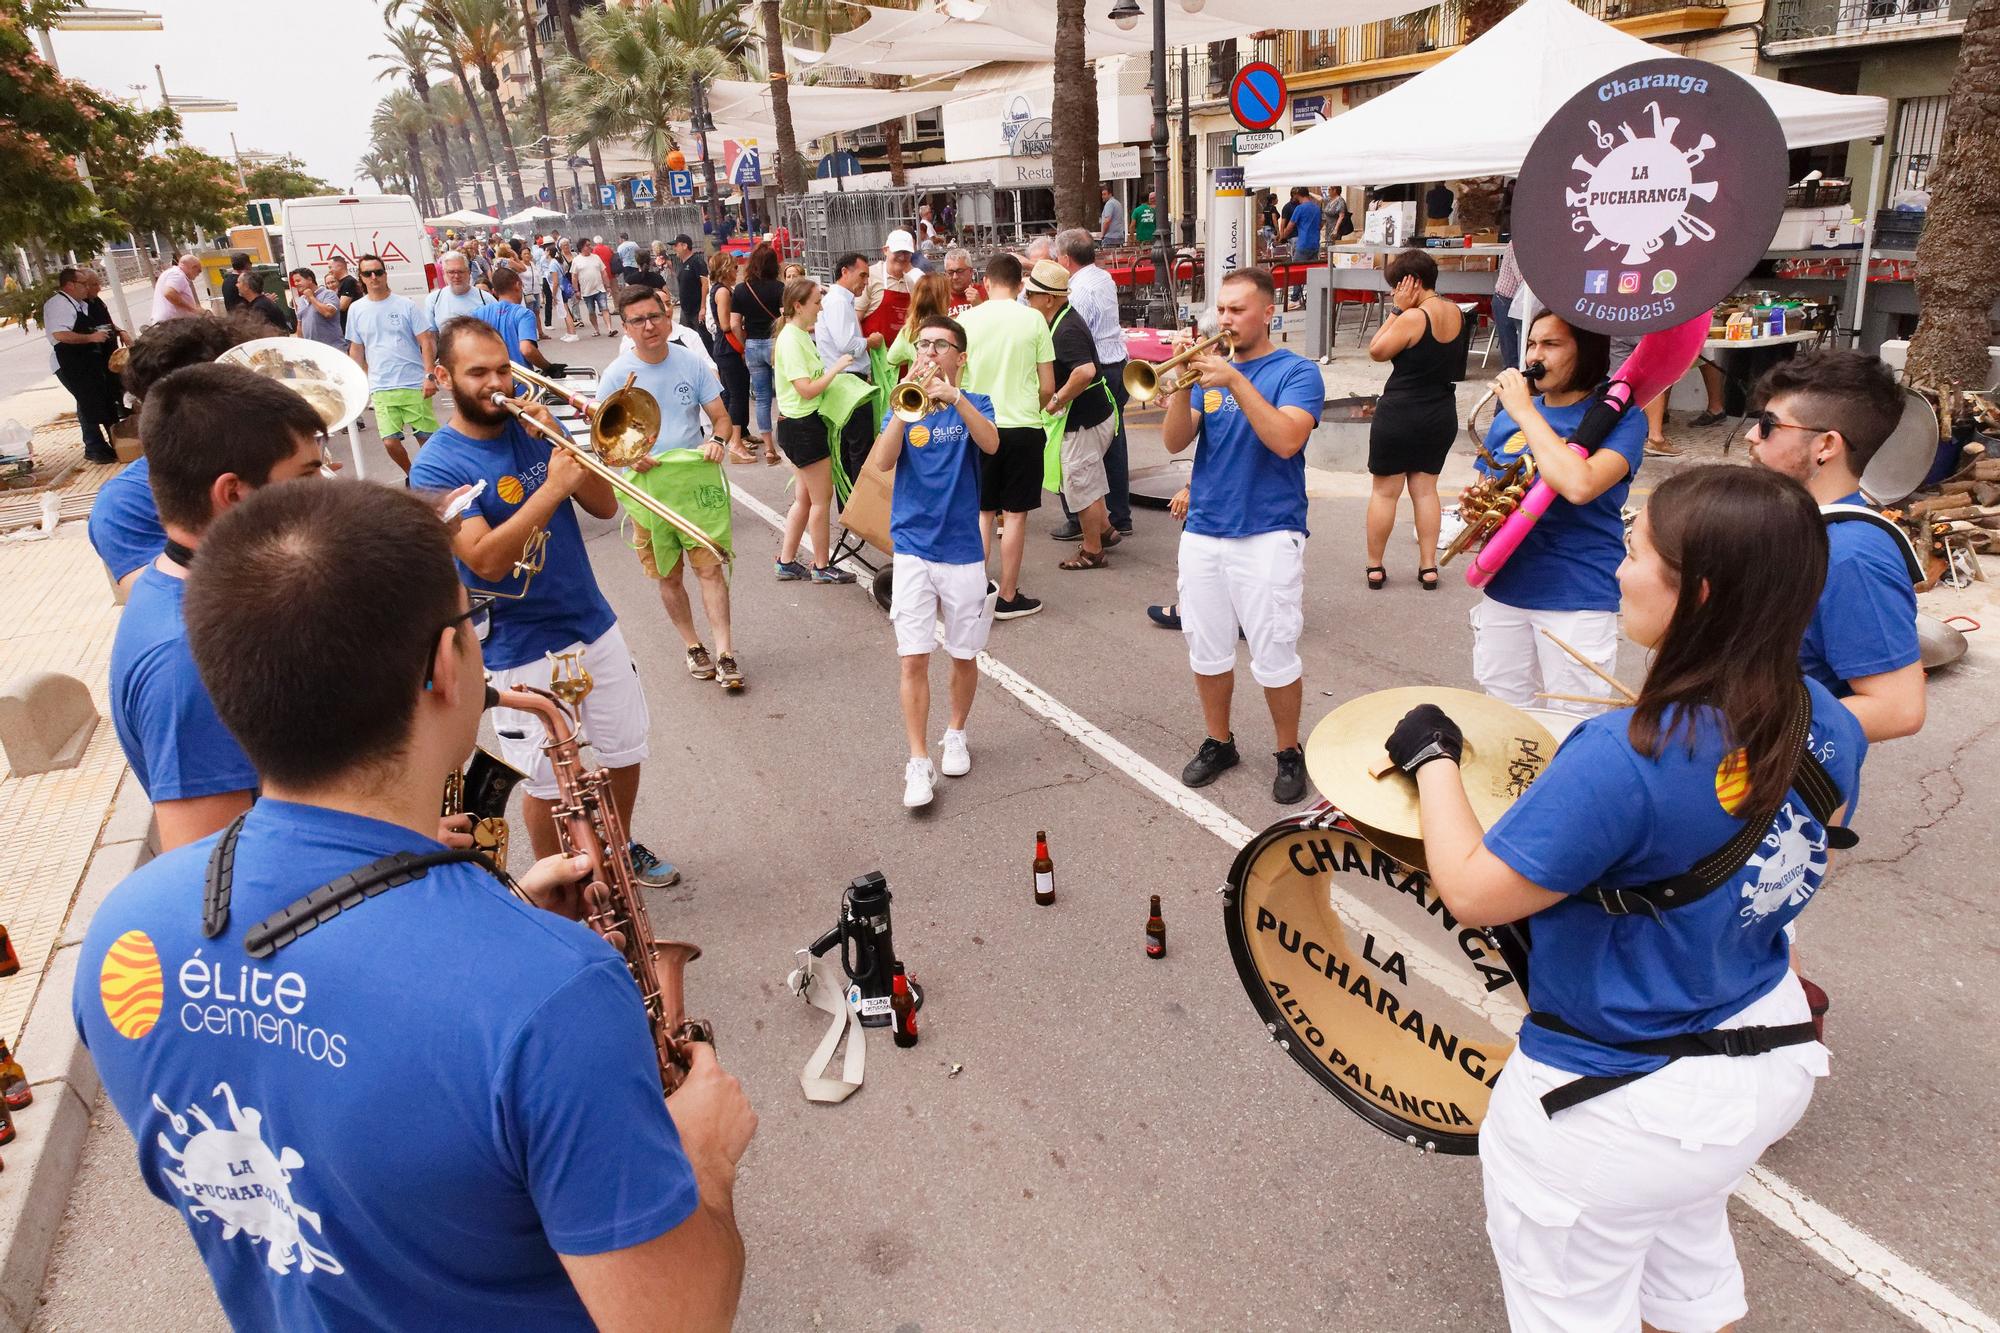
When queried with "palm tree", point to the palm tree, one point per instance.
{"points": [[443, 21], [791, 175], [413, 52], [401, 116], [377, 167], [455, 114], [484, 33], [722, 29], [1073, 108], [636, 79], [541, 94], [1957, 272], [567, 21]]}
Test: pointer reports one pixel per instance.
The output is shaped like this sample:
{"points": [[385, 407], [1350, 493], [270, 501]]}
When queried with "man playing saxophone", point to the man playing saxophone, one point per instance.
{"points": [[551, 618], [441, 1106]]}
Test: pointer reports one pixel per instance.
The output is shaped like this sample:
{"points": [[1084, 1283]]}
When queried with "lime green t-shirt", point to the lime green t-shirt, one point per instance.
{"points": [[1004, 342], [902, 352], [794, 357]]}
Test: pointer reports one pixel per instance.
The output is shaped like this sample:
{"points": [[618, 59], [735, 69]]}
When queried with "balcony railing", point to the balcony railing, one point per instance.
{"points": [[1866, 20], [1451, 23]]}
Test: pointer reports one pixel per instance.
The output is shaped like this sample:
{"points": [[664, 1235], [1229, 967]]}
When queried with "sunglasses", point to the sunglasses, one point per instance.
{"points": [[1765, 422], [478, 613], [374, 272]]}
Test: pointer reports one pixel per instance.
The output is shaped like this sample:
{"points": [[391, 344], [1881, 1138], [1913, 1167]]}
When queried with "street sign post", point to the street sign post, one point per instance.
{"points": [[680, 184], [1247, 142], [607, 196], [1257, 96], [740, 163], [546, 195], [642, 190]]}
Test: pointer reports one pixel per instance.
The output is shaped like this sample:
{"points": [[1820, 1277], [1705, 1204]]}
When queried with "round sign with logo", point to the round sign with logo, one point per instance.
{"points": [[1257, 96], [1649, 195]]}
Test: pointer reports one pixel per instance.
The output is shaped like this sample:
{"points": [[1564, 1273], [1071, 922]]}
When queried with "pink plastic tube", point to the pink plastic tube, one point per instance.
{"points": [[1659, 360]]}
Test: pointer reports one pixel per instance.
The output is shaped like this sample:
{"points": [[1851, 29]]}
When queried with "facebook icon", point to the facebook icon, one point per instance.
{"points": [[1596, 281]]}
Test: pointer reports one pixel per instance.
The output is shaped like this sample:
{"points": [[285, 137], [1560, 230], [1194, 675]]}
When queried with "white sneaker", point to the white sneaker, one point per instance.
{"points": [[957, 760], [918, 779], [569, 337]]}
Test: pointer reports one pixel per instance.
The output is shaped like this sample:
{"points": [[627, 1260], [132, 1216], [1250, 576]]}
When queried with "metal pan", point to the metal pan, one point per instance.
{"points": [[1941, 642], [1907, 456]]}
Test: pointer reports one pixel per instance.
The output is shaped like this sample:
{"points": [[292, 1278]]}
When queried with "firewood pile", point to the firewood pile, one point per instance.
{"points": [[1957, 520]]}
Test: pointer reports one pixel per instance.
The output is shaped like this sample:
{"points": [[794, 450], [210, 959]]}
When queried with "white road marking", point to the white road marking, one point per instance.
{"points": [[1850, 1251]]}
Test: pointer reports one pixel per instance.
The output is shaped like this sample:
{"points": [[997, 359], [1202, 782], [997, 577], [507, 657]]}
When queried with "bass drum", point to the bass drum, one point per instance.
{"points": [[1362, 977]]}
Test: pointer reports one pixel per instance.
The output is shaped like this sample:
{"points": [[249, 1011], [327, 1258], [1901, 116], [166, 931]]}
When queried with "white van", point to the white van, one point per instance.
{"points": [[351, 225]]}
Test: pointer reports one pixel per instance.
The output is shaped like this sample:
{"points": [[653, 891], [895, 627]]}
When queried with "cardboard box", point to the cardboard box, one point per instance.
{"points": [[125, 439], [867, 511]]}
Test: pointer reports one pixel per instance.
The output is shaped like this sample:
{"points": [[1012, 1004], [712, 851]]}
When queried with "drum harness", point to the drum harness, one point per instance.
{"points": [[1824, 798]]}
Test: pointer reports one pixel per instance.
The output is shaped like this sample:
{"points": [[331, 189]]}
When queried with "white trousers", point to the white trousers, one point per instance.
{"points": [[614, 719], [1257, 583], [1513, 660]]}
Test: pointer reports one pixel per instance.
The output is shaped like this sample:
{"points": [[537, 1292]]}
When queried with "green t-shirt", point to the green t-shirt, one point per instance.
{"points": [[902, 352], [794, 357], [1144, 219], [1004, 342]]}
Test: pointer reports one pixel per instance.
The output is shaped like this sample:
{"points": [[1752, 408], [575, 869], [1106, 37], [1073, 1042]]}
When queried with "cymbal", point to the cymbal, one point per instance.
{"points": [[1505, 750]]}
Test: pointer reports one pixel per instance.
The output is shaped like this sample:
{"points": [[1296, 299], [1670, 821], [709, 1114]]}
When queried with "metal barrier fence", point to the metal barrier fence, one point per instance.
{"points": [[826, 226], [645, 225]]}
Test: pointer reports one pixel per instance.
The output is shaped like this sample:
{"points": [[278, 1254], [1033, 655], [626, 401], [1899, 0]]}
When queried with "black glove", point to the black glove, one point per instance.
{"points": [[556, 370], [1425, 733]]}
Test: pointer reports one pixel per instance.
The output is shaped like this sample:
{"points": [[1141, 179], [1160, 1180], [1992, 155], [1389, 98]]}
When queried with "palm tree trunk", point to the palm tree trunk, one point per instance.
{"points": [[489, 79], [423, 192], [541, 95], [575, 49], [1958, 255], [791, 176], [439, 136], [478, 181], [1074, 107], [478, 123]]}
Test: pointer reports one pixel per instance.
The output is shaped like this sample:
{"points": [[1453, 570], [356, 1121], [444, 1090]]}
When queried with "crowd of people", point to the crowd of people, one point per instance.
{"points": [[303, 660]]}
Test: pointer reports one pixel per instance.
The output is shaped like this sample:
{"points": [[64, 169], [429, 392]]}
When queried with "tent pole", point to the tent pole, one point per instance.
{"points": [[1878, 172]]}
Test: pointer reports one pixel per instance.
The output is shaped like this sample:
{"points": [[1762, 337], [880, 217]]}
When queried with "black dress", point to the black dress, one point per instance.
{"points": [[1416, 418]]}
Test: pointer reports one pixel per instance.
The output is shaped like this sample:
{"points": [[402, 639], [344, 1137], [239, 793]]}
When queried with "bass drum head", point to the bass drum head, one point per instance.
{"points": [[1362, 976], [1907, 456]]}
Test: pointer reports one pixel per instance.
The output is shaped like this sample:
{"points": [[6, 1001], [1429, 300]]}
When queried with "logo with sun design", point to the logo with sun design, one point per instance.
{"points": [[130, 985], [509, 489], [919, 436], [1732, 781], [1211, 401]]}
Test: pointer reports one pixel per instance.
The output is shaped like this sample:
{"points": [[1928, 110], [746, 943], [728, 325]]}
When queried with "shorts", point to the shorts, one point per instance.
{"points": [[1257, 583], [1514, 661], [803, 440], [614, 716], [1084, 480], [397, 408], [1617, 1209], [1010, 478], [648, 543], [925, 592]]}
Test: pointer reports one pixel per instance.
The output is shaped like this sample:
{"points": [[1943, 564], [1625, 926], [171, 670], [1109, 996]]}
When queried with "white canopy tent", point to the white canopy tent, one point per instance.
{"points": [[464, 217], [1522, 69], [529, 214], [743, 111]]}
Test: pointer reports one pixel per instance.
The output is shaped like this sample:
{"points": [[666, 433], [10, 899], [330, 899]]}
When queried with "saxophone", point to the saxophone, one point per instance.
{"points": [[587, 823]]}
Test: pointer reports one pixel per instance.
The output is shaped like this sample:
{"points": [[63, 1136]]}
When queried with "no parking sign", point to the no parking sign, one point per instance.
{"points": [[1257, 96]]}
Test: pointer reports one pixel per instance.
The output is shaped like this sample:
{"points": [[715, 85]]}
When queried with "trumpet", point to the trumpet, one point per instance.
{"points": [[911, 400], [1147, 380], [623, 426]]}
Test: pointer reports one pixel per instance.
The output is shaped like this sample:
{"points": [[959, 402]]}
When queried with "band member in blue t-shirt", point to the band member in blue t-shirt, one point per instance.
{"points": [[520, 542], [940, 561], [1825, 415], [1243, 554], [441, 1107], [1562, 578], [1623, 1120], [213, 435]]}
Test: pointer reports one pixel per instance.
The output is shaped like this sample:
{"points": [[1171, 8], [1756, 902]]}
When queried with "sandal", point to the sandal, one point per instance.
{"points": [[1110, 538], [1378, 578], [1084, 560], [1427, 578]]}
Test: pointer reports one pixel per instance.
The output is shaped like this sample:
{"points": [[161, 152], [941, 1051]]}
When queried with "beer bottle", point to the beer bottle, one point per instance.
{"points": [[10, 962], [14, 1089], [1045, 871], [6, 1125], [1156, 932], [902, 1009]]}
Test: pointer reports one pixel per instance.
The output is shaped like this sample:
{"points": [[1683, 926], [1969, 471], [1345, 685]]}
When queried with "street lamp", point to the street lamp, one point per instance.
{"points": [[702, 122], [1126, 15]]}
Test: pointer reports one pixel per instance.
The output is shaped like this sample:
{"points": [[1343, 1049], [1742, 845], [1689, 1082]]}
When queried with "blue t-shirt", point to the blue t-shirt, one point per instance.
{"points": [[387, 331], [680, 384], [1603, 814], [515, 323], [402, 1118], [563, 605], [934, 507], [168, 729], [1240, 488], [1866, 620], [1569, 560], [1305, 219], [124, 522]]}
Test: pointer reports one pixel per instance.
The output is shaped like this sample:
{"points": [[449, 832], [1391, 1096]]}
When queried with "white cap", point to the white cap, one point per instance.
{"points": [[899, 240], [597, 240]]}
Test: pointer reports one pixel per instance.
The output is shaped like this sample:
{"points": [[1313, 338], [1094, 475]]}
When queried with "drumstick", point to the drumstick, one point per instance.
{"points": [[1579, 698], [1631, 697]]}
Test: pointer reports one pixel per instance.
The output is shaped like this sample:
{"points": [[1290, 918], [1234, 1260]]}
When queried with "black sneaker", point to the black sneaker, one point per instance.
{"points": [[1123, 529], [1071, 531], [1210, 762], [1013, 608], [1290, 786], [104, 459]]}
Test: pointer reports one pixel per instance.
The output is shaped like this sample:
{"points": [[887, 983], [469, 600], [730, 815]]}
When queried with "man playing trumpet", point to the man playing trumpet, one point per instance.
{"points": [[549, 615], [940, 562]]}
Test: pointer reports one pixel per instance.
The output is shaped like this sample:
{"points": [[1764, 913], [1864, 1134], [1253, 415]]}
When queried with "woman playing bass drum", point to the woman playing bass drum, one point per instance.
{"points": [[1669, 1042], [1562, 577]]}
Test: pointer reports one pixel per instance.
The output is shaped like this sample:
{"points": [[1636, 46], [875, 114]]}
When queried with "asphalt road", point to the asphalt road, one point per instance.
{"points": [[1088, 1139]]}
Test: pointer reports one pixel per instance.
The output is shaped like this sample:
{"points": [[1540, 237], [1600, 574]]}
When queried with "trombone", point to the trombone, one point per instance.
{"points": [[623, 426], [1147, 380]]}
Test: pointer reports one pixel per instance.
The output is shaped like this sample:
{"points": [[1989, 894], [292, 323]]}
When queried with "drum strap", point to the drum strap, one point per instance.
{"points": [[1718, 1041]]}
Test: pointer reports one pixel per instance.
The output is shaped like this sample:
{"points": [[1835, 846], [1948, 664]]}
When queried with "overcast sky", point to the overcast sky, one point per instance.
{"points": [[298, 71]]}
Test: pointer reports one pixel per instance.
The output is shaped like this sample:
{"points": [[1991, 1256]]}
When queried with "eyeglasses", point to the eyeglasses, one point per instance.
{"points": [[478, 613], [1767, 421], [374, 272], [646, 321], [936, 345]]}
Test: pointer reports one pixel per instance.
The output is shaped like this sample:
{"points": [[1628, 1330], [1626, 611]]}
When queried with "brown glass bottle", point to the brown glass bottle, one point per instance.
{"points": [[902, 1009], [14, 1089], [1156, 931], [6, 1125], [1045, 871], [10, 962]]}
